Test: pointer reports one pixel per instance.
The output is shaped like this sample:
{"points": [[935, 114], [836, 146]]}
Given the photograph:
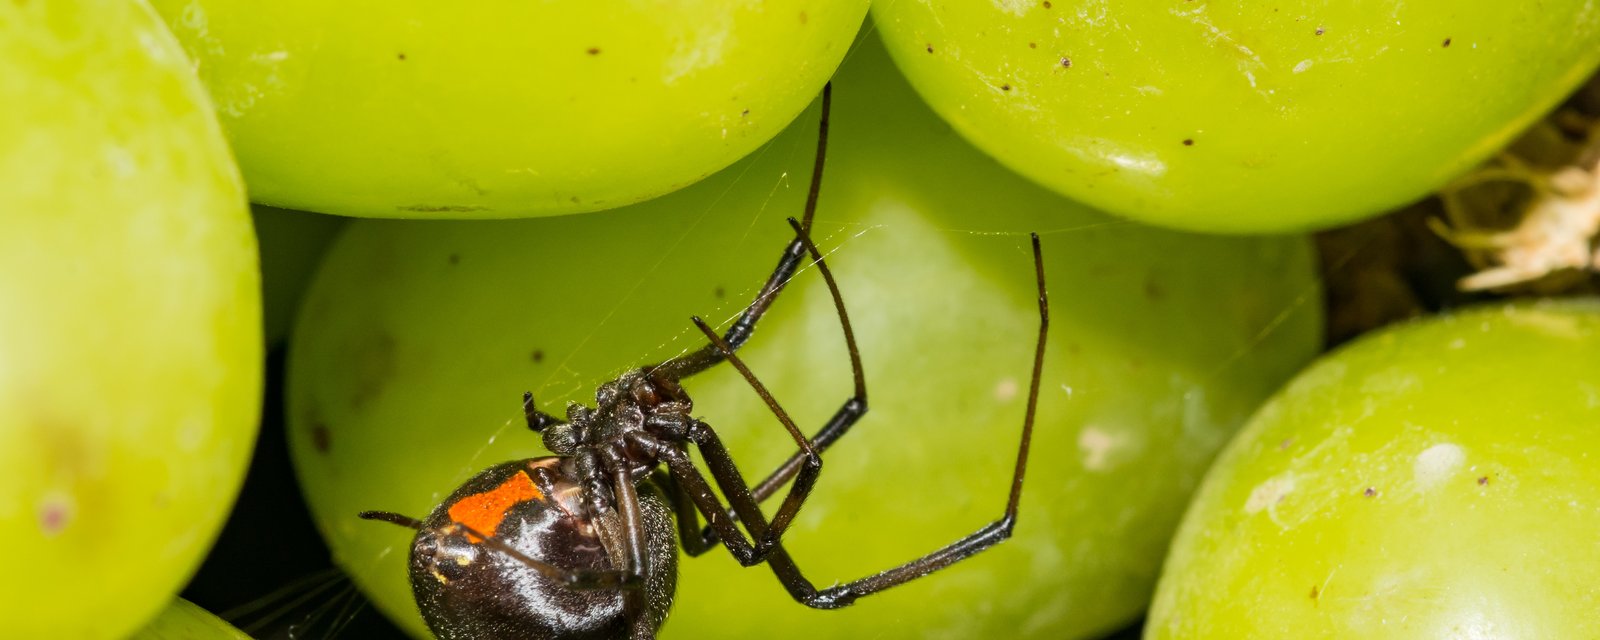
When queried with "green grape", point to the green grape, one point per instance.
{"points": [[417, 340], [182, 620], [130, 331], [1242, 117], [292, 244], [1435, 480], [502, 108]]}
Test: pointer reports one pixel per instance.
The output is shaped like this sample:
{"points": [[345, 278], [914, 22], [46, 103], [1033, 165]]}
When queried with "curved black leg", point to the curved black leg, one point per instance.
{"points": [[803, 466], [788, 573], [736, 335]]}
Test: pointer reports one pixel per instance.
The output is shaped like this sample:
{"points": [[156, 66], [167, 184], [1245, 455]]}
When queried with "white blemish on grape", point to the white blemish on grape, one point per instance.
{"points": [[193, 433], [1437, 463], [1553, 325], [1304, 64], [1249, 61], [702, 49], [1269, 493], [194, 17], [1006, 389], [1047, 617], [120, 161], [271, 56], [1477, 626], [1102, 151], [182, 543], [1097, 446], [1100, 19], [1146, 164], [1017, 8], [1068, 391], [245, 97]]}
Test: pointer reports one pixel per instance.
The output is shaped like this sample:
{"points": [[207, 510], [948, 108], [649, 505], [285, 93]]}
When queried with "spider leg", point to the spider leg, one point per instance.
{"points": [[627, 505], [853, 408], [686, 515], [789, 574], [842, 420], [798, 467], [709, 355], [633, 543], [989, 535], [732, 482], [804, 466], [537, 420], [690, 493]]}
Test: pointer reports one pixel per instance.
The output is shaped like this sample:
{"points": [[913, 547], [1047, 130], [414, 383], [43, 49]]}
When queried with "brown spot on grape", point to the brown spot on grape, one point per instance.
{"points": [[1188, 142], [744, 113], [593, 51], [1446, 42], [930, 48], [718, 292], [1315, 592], [1153, 289], [1284, 446], [1370, 492], [372, 364], [455, 259], [1046, 4], [537, 356], [1005, 87], [1319, 31], [1483, 481], [401, 57], [53, 516], [1033, 45], [321, 437], [1066, 63]]}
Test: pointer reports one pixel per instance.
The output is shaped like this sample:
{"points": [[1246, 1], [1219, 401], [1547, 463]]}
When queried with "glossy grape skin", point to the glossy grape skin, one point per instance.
{"points": [[183, 620], [502, 108], [1243, 117], [130, 331], [1435, 479], [417, 339]]}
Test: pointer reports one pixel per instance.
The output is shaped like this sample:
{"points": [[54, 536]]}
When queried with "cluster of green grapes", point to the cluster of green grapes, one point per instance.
{"points": [[548, 191]]}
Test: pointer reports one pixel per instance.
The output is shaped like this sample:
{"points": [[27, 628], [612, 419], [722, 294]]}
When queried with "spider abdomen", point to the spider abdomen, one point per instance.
{"points": [[467, 590]]}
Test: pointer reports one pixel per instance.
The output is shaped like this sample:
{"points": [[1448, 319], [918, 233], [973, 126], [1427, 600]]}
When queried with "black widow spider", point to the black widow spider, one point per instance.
{"points": [[580, 544]]}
